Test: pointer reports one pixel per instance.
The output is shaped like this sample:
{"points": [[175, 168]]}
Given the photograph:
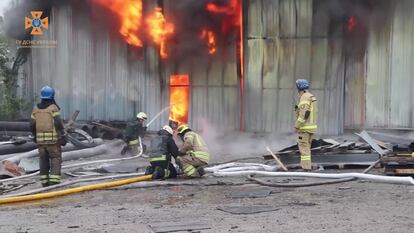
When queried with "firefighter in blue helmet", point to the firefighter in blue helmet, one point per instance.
{"points": [[305, 125], [49, 134]]}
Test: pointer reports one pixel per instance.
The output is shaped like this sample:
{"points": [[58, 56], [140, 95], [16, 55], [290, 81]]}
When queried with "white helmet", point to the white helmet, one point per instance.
{"points": [[168, 129], [142, 116]]}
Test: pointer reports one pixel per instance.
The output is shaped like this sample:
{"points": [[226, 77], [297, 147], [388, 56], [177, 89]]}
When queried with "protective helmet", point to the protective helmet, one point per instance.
{"points": [[302, 84], [182, 128], [168, 129], [47, 93], [142, 116]]}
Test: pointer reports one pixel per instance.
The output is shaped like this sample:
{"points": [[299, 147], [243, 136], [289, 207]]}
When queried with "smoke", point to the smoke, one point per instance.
{"points": [[225, 145]]}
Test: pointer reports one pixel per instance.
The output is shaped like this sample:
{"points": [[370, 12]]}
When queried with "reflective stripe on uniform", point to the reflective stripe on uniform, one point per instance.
{"points": [[190, 170], [309, 127], [54, 178], [301, 120], [44, 179], [159, 158], [55, 114], [201, 155], [133, 142], [305, 157], [46, 136]]}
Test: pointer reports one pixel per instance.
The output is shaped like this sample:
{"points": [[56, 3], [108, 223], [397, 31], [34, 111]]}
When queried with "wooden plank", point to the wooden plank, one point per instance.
{"points": [[404, 171]]}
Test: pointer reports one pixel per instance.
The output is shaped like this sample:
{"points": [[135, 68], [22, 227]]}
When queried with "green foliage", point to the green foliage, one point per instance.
{"points": [[10, 104]]}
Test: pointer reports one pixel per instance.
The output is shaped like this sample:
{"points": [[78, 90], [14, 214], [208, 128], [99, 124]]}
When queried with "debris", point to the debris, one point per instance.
{"points": [[391, 138], [253, 209], [277, 159], [10, 169], [178, 226], [364, 135], [302, 203], [249, 193], [344, 188]]}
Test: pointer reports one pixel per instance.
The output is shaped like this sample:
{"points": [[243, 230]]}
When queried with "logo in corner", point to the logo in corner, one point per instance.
{"points": [[36, 23]]}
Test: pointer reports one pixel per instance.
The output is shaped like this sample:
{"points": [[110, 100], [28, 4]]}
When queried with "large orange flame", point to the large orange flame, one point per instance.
{"points": [[160, 30], [130, 15], [179, 98], [210, 37]]}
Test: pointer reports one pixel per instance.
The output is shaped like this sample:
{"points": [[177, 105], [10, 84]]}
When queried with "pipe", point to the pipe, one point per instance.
{"points": [[235, 164], [79, 164], [15, 133], [296, 185], [11, 148], [377, 178], [85, 188], [71, 182], [14, 126], [15, 158]]}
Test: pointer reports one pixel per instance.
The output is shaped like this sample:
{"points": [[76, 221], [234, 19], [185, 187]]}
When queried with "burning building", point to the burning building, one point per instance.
{"points": [[229, 64]]}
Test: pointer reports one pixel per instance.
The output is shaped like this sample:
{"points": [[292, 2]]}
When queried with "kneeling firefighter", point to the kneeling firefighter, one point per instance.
{"points": [[194, 154], [163, 147], [49, 134], [133, 131]]}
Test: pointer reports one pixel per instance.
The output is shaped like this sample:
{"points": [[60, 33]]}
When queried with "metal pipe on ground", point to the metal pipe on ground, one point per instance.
{"points": [[11, 148], [15, 158], [14, 126], [15, 133]]}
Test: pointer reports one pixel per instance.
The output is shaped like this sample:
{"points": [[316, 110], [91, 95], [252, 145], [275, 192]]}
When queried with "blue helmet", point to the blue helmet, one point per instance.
{"points": [[302, 84], [47, 93]]}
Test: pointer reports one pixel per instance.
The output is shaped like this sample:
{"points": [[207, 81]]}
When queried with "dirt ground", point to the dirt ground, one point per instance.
{"points": [[357, 206]]}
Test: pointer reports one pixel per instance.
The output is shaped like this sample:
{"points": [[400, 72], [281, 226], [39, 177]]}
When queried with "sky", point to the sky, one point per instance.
{"points": [[3, 5]]}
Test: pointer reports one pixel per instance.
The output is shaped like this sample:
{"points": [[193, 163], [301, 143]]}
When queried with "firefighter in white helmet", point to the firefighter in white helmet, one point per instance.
{"points": [[133, 131], [162, 148], [194, 154]]}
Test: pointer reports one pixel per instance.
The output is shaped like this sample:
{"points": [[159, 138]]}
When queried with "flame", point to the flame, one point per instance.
{"points": [[352, 23], [179, 98], [210, 37], [130, 14], [160, 30]]}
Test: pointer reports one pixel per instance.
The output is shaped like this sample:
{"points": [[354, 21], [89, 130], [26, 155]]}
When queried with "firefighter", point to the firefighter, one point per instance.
{"points": [[134, 130], [194, 155], [49, 134], [163, 147], [305, 125]]}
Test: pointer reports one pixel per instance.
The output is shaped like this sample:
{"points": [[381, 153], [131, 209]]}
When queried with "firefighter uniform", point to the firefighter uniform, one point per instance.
{"points": [[306, 116], [134, 130], [48, 131], [194, 153], [163, 147]]}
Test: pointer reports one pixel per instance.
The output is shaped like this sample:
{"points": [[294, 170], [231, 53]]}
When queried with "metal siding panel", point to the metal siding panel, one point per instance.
{"points": [[288, 18], [270, 63], [378, 78], [270, 111], [270, 20], [231, 119], [286, 54], [303, 58], [402, 66], [199, 107], [285, 110], [304, 17], [355, 93], [255, 22], [319, 63]]}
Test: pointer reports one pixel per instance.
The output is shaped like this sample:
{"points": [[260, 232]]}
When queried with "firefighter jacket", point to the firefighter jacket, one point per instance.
{"points": [[46, 124], [163, 147], [306, 113], [134, 130], [195, 145]]}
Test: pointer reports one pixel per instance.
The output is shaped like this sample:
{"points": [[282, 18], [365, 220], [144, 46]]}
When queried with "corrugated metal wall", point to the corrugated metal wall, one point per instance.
{"points": [[379, 87], [94, 72], [282, 48]]}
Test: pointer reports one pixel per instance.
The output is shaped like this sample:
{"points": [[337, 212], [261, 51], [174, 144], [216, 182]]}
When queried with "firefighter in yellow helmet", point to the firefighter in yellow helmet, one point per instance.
{"points": [[305, 125], [133, 131], [194, 154], [48, 132]]}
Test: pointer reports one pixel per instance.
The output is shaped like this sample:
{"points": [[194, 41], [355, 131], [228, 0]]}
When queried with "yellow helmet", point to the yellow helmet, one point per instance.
{"points": [[182, 128], [142, 116]]}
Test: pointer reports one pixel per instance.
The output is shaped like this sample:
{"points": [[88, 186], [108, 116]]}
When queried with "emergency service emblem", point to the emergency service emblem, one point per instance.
{"points": [[36, 23]]}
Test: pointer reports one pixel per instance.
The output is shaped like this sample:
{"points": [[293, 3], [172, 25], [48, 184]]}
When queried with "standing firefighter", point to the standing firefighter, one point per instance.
{"points": [[305, 125], [48, 132], [194, 153], [163, 147], [134, 130]]}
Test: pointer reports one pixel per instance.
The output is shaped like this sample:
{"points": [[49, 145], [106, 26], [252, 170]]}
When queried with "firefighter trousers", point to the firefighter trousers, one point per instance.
{"points": [[190, 164], [50, 163], [304, 143], [162, 170]]}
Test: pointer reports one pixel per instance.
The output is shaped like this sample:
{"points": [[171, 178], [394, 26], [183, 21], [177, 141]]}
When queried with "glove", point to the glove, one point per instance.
{"points": [[63, 140], [296, 107]]}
